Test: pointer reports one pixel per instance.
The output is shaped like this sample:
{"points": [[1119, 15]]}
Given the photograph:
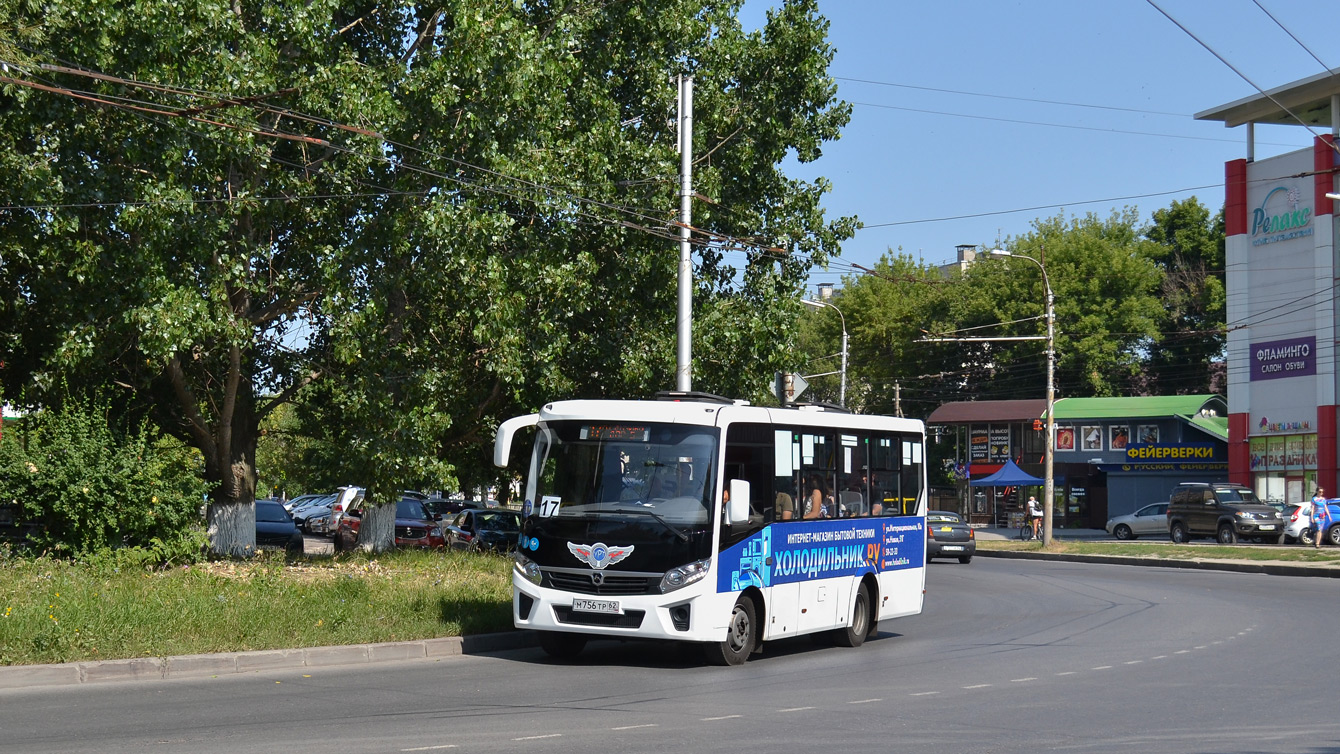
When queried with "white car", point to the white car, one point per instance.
{"points": [[1299, 528], [1151, 519]]}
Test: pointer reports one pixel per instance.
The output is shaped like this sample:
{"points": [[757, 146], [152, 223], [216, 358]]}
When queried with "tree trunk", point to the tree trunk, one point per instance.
{"points": [[232, 528], [376, 533]]}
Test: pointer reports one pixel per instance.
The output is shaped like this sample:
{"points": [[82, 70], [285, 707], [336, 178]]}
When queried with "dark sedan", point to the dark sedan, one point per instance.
{"points": [[484, 529], [414, 526], [275, 528], [948, 537]]}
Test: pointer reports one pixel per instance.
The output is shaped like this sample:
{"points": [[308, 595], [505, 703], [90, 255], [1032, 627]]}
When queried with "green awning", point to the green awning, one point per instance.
{"points": [[1142, 407]]}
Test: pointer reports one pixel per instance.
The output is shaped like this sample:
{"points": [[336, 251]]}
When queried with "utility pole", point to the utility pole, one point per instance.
{"points": [[897, 399], [684, 351]]}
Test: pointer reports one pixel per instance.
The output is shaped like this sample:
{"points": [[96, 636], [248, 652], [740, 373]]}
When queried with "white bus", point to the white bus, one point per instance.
{"points": [[707, 520]]}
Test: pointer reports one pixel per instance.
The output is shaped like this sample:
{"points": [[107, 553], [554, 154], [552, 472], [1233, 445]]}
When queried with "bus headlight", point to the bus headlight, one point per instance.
{"points": [[676, 578], [527, 568]]}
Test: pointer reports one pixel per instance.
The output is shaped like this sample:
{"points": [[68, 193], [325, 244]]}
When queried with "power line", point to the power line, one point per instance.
{"points": [[1007, 97]]}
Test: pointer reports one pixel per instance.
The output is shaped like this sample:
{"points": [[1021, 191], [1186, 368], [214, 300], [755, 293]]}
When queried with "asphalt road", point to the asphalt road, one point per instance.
{"points": [[1009, 656]]}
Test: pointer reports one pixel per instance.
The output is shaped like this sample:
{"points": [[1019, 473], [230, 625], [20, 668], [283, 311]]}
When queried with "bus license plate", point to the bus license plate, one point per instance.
{"points": [[597, 606]]}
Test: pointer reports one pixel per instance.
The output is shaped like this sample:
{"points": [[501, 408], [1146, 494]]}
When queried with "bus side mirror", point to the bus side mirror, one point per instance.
{"points": [[738, 509]]}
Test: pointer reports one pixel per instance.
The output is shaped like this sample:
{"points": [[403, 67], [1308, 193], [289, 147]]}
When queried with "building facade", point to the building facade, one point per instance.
{"points": [[1281, 268]]}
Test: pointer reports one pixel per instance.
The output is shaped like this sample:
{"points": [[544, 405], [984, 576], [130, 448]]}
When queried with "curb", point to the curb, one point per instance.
{"points": [[233, 663], [1271, 569]]}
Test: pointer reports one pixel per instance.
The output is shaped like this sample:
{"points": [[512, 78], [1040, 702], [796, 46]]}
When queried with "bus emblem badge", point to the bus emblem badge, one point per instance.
{"points": [[599, 554]]}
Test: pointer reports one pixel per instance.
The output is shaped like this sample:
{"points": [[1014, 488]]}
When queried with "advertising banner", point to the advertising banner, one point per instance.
{"points": [[1292, 357], [805, 551]]}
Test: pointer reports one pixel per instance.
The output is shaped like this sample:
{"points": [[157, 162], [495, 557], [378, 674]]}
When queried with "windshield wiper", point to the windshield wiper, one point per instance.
{"points": [[684, 537]]}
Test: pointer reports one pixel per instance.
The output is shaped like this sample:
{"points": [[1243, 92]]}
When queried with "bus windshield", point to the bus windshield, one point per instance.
{"points": [[661, 471]]}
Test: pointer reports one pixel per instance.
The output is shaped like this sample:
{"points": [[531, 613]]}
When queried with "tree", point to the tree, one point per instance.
{"points": [[416, 219], [1190, 251]]}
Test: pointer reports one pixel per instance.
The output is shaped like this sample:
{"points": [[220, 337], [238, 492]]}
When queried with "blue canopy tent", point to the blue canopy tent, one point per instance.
{"points": [[1009, 475]]}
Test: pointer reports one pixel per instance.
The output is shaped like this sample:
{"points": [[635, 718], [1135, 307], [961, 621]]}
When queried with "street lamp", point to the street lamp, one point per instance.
{"points": [[842, 390], [1050, 485]]}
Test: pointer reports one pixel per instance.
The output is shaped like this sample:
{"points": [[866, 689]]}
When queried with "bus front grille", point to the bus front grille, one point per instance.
{"points": [[629, 619], [609, 583]]}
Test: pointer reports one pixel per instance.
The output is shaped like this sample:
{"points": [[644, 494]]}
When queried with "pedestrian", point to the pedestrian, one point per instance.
{"points": [[1321, 518], [1034, 514]]}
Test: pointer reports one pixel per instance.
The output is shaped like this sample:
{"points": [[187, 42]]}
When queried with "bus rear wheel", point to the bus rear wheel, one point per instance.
{"points": [[561, 645], [854, 635], [739, 643]]}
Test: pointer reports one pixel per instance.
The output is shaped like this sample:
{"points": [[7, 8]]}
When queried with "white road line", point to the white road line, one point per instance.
{"points": [[1160, 657], [723, 717], [1182, 652], [1200, 647], [867, 701], [533, 738], [924, 693], [1133, 662], [978, 686], [431, 748], [631, 727], [1067, 672], [1021, 680], [1216, 642], [1102, 667], [795, 709]]}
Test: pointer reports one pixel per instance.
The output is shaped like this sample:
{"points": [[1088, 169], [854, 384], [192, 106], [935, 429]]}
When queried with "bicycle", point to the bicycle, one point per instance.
{"points": [[1026, 532]]}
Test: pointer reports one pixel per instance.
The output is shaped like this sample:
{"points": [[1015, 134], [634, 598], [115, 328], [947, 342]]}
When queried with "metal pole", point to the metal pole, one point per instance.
{"points": [[684, 352], [1050, 488], [842, 389]]}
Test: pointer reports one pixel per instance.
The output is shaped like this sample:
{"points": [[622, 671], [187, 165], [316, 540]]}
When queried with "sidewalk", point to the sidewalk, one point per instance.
{"points": [[996, 533]]}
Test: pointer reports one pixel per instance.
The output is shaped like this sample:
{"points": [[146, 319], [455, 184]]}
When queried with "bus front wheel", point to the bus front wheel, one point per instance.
{"points": [[739, 641]]}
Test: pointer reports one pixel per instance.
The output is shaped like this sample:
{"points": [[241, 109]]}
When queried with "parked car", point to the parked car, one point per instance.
{"points": [[414, 526], [301, 501], [1227, 512], [317, 508], [948, 537], [345, 498], [1151, 519], [492, 529], [1299, 527], [275, 528], [444, 509]]}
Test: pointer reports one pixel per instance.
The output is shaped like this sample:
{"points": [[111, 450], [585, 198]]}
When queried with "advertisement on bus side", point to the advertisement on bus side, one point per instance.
{"points": [[823, 549]]}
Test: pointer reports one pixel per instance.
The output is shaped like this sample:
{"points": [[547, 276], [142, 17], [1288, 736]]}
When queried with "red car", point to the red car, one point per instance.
{"points": [[414, 526]]}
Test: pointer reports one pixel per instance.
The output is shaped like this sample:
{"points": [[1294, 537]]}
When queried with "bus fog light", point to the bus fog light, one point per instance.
{"points": [[682, 576], [527, 568]]}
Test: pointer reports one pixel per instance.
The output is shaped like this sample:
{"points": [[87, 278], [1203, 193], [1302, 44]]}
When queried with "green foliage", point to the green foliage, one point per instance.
{"points": [[91, 485], [103, 608], [1190, 252], [471, 217]]}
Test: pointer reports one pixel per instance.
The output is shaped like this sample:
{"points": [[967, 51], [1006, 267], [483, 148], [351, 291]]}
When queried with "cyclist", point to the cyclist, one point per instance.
{"points": [[1034, 514]]}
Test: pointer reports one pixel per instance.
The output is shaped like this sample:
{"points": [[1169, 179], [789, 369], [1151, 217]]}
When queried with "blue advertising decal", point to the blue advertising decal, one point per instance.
{"points": [[806, 551]]}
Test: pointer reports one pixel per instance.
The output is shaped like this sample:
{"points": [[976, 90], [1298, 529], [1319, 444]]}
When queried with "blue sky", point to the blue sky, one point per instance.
{"points": [[948, 155]]}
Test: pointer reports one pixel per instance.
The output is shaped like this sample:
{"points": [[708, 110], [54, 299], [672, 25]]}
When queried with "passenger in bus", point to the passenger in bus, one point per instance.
{"points": [[818, 501], [785, 507]]}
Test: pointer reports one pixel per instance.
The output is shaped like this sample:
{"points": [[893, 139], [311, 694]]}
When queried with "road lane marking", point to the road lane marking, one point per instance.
{"points": [[1068, 672], [1021, 680], [924, 693], [631, 727], [1133, 662], [795, 709], [1216, 642], [978, 686], [534, 738], [867, 701], [1160, 657], [723, 717], [431, 748], [1102, 667], [1181, 651], [1200, 647]]}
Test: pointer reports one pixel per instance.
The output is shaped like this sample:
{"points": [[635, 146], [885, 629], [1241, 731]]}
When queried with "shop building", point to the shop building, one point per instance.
{"points": [[1112, 455], [1280, 257]]}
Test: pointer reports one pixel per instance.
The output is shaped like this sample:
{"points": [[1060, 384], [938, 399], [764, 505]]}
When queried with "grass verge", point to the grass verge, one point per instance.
{"points": [[59, 611], [1170, 551]]}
